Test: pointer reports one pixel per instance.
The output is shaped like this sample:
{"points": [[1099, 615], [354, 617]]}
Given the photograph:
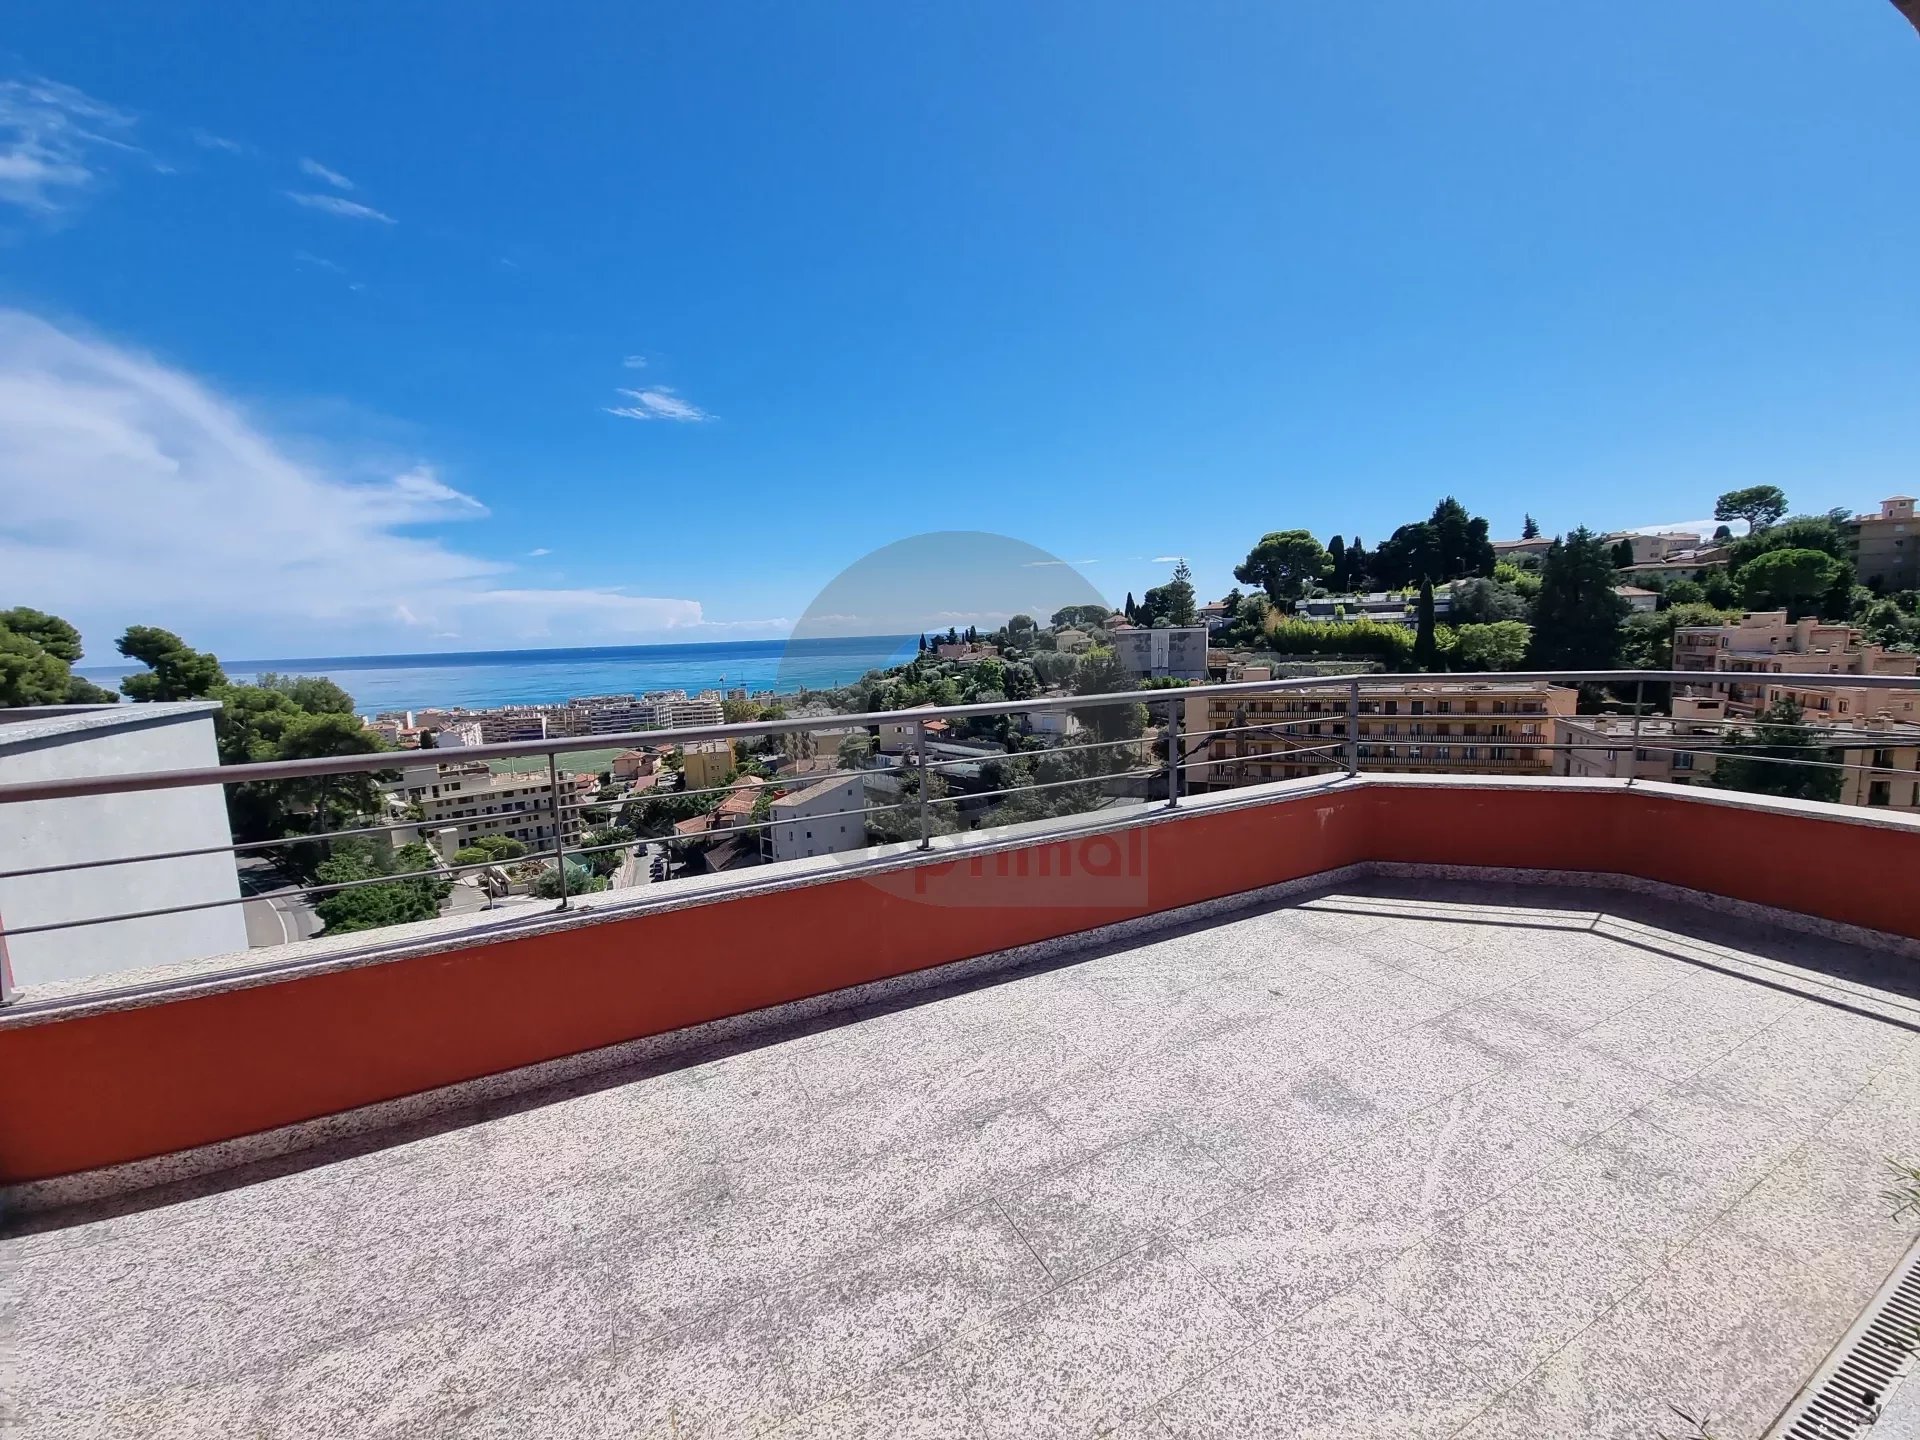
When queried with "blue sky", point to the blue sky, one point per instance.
{"points": [[321, 319]]}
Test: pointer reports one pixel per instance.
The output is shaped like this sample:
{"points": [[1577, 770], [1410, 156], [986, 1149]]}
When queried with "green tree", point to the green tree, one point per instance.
{"points": [[37, 654], [1529, 529], [1760, 763], [1339, 570], [1020, 629], [579, 881], [1172, 603], [1283, 564], [854, 750], [314, 694], [1081, 616], [1577, 617], [1791, 579], [1481, 601], [371, 906], [1497, 645], [602, 861], [1101, 673], [175, 671], [1758, 505], [1426, 651], [1622, 554]]}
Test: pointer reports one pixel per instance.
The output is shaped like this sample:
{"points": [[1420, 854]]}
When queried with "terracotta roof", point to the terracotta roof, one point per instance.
{"points": [[693, 825]]}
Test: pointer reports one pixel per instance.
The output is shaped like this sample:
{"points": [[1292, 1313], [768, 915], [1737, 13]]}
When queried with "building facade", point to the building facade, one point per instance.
{"points": [[462, 802], [1886, 547], [1493, 727], [823, 819], [1165, 652], [705, 764], [75, 742]]}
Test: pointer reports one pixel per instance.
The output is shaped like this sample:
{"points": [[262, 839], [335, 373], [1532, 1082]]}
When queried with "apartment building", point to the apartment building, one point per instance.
{"points": [[1765, 643], [1655, 546], [1886, 546], [705, 763], [464, 801], [1496, 727], [824, 819], [735, 810], [1883, 753]]}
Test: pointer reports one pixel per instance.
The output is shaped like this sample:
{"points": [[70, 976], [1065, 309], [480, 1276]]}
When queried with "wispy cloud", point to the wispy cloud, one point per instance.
{"points": [[635, 362], [334, 205], [1168, 559], [1045, 564], [207, 140], [321, 172], [659, 403], [53, 142], [318, 262], [131, 492], [535, 554]]}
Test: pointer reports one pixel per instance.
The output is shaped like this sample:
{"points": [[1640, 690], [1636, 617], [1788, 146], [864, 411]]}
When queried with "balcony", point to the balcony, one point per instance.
{"points": [[1422, 1105]]}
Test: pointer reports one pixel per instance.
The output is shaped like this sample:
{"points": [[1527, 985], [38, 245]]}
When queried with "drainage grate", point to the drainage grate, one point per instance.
{"points": [[1846, 1393]]}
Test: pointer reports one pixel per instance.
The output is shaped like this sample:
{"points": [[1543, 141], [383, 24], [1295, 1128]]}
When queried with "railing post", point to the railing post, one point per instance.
{"points": [[1173, 752], [1353, 726], [559, 843], [1633, 761], [920, 751]]}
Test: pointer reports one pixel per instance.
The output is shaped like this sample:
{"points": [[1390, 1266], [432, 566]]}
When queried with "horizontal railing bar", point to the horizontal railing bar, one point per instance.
{"points": [[1146, 773]]}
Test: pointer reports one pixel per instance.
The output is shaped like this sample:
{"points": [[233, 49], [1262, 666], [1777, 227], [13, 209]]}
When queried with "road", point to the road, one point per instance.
{"points": [[278, 914]]}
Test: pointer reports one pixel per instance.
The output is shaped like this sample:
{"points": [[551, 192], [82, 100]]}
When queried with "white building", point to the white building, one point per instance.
{"points": [[72, 742], [815, 821], [1163, 651]]}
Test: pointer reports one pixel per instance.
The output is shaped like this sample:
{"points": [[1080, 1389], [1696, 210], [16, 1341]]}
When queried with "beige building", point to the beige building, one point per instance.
{"points": [[1651, 548], [1765, 643], [1886, 546], [463, 802], [630, 765], [1679, 750], [1492, 727], [706, 763]]}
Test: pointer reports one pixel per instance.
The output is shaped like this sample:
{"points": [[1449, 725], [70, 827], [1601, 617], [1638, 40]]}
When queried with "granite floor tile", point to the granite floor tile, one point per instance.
{"points": [[1085, 1216], [1572, 1094]]}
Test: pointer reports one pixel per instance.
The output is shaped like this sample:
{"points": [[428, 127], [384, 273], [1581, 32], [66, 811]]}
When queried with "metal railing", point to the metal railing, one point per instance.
{"points": [[1141, 768]]}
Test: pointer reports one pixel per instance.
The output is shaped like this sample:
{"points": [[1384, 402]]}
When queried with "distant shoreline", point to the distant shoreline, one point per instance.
{"points": [[484, 679]]}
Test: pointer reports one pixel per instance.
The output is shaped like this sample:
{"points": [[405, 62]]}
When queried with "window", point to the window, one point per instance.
{"points": [[1499, 707], [1879, 792], [1393, 707], [1883, 759], [1443, 753], [1419, 707], [1683, 760], [1444, 707], [1413, 752]]}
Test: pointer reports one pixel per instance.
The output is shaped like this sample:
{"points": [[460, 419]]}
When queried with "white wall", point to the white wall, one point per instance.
{"points": [[94, 827], [797, 834]]}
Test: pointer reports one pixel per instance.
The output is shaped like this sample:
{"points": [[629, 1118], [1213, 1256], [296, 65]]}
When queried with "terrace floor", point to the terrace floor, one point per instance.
{"points": [[1409, 1159]]}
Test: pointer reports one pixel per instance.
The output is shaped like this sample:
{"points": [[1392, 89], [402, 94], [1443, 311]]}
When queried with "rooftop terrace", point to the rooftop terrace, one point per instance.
{"points": [[1400, 1158]]}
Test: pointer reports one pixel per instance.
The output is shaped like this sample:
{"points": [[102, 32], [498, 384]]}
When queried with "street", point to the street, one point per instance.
{"points": [[278, 914]]}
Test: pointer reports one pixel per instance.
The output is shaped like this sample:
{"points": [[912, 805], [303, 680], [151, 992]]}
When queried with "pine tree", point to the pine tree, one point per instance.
{"points": [[1337, 553], [1132, 611], [1576, 617], [1530, 529], [1426, 650]]}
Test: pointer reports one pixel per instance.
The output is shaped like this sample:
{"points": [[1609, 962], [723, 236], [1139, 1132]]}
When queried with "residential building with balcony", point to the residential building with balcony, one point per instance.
{"points": [[1763, 644], [1479, 727], [1654, 546], [463, 802], [1885, 547]]}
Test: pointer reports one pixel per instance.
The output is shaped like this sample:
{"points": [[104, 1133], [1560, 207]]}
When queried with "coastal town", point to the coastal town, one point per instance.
{"points": [[641, 813]]}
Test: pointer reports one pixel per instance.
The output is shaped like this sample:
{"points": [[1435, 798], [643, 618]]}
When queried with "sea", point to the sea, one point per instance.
{"points": [[475, 680]]}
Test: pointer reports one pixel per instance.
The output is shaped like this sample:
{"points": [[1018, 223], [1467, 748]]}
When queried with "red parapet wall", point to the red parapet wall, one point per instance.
{"points": [[101, 1089]]}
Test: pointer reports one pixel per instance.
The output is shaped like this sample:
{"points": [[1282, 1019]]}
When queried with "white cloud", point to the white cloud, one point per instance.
{"points": [[207, 140], [659, 403], [635, 362], [319, 262], [53, 139], [130, 493], [334, 205], [321, 172], [1168, 559], [537, 553], [1044, 564]]}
